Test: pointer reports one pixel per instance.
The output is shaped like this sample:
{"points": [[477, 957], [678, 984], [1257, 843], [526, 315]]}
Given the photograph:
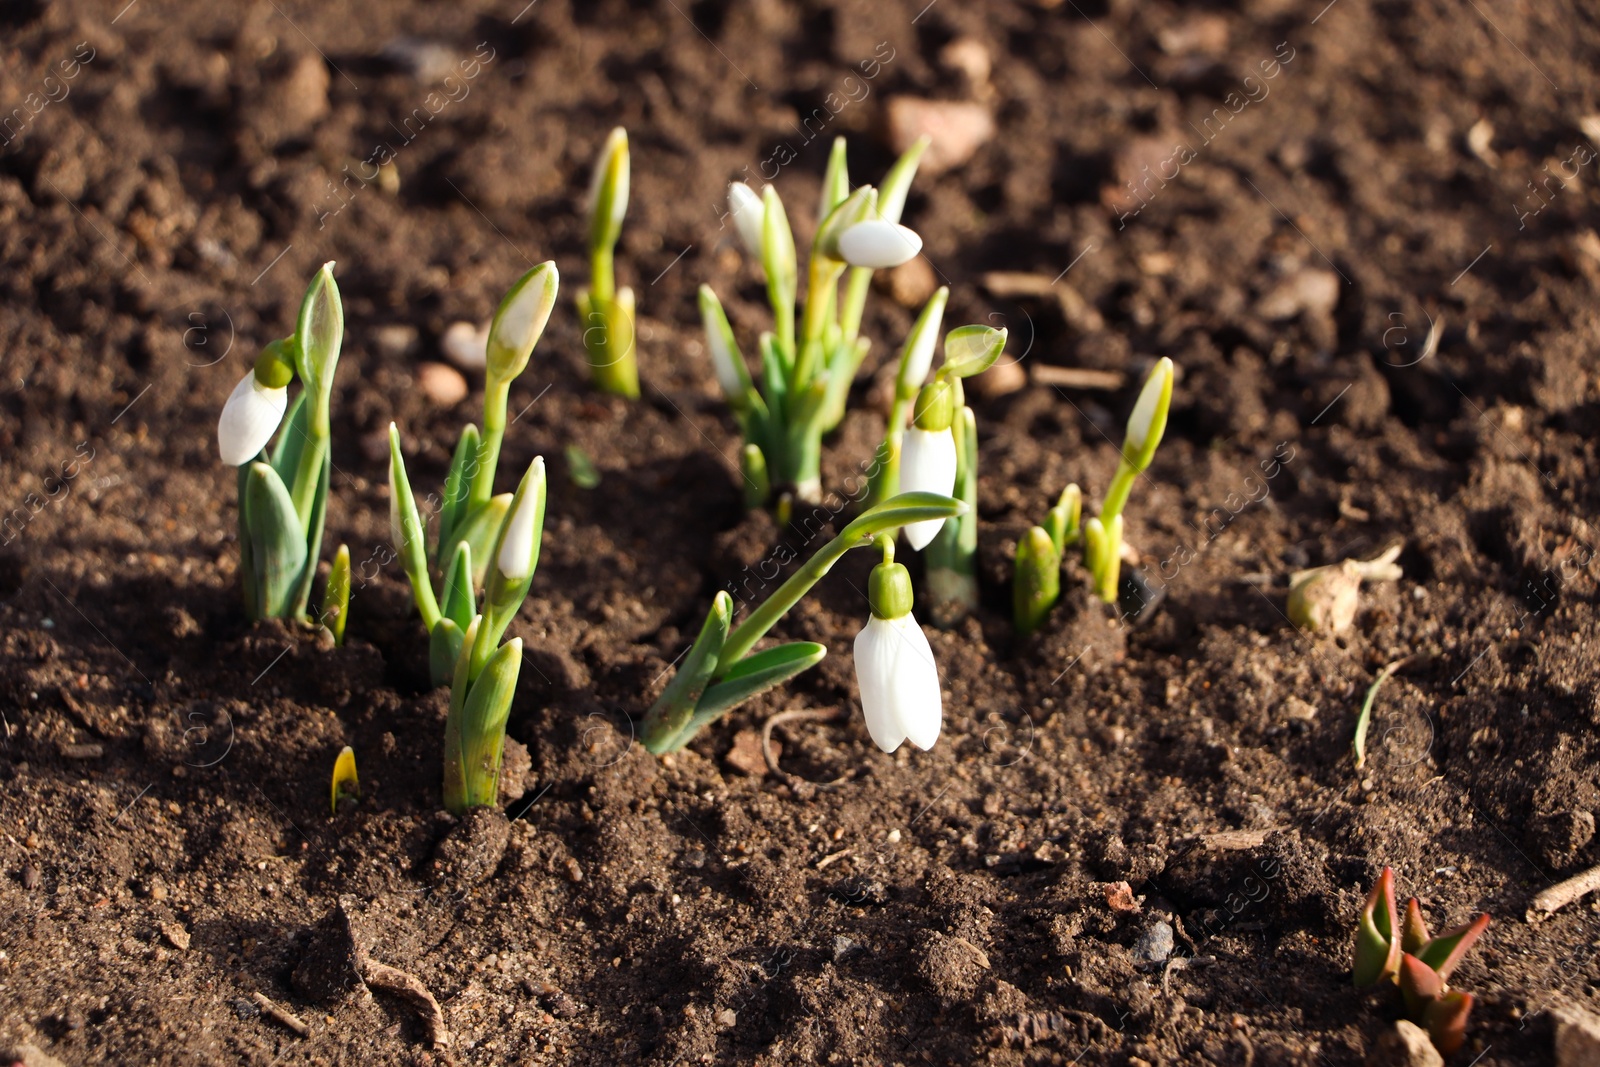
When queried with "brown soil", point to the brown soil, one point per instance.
{"points": [[168, 851]]}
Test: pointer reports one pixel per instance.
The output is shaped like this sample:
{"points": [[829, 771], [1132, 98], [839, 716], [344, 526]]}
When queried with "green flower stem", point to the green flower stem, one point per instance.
{"points": [[1121, 488], [309, 470], [855, 301], [822, 290], [952, 557], [494, 431], [602, 274], [899, 511]]}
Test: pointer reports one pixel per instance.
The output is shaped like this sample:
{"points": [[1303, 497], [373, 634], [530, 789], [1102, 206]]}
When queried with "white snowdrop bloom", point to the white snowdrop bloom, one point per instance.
{"points": [[928, 465], [749, 213], [899, 683], [249, 419], [517, 548], [878, 243]]}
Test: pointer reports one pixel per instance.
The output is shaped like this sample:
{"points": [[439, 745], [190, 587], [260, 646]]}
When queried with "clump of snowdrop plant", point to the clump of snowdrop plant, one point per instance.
{"points": [[807, 362], [1042, 550], [720, 670], [283, 495], [606, 311], [465, 635], [473, 520]]}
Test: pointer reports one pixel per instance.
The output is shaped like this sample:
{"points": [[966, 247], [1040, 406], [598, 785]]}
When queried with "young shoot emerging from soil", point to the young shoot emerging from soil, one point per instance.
{"points": [[606, 311], [806, 366], [720, 672], [283, 497], [1401, 952], [1042, 550], [471, 517]]}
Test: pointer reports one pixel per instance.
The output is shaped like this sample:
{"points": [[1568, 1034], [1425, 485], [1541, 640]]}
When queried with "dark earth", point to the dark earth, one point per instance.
{"points": [[168, 852]]}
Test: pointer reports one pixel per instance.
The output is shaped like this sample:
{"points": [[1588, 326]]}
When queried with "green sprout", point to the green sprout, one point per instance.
{"points": [[471, 517], [607, 312], [809, 360], [1403, 953], [283, 497], [1035, 589], [720, 671], [336, 597]]}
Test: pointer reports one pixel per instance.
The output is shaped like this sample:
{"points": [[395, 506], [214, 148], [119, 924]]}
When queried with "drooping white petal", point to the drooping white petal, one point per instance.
{"points": [[748, 215], [878, 243], [249, 419], [899, 683], [927, 465], [516, 550]]}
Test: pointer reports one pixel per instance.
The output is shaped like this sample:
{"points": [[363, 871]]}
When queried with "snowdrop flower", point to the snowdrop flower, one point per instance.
{"points": [[519, 547], [928, 456], [748, 215], [879, 244], [895, 669], [255, 409]]}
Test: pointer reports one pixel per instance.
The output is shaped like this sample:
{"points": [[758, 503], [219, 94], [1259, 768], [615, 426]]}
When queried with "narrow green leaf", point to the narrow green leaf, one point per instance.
{"points": [[479, 529], [444, 651], [475, 736], [405, 530], [292, 438], [898, 511], [1364, 719], [835, 180], [668, 717], [313, 540], [457, 489], [277, 545], [247, 566], [749, 678], [459, 604], [892, 191]]}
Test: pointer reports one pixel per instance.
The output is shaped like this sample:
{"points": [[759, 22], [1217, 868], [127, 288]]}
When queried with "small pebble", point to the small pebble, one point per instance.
{"points": [[176, 936], [395, 340], [466, 345], [1154, 945], [30, 877], [443, 385], [958, 130], [727, 1017], [574, 870]]}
